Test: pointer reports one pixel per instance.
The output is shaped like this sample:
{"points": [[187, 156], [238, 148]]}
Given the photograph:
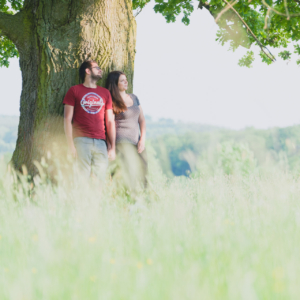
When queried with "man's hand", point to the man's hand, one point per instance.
{"points": [[72, 150], [111, 154], [141, 146], [68, 116]]}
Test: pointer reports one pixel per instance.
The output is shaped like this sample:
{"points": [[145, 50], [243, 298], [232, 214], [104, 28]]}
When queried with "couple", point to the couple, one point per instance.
{"points": [[102, 122]]}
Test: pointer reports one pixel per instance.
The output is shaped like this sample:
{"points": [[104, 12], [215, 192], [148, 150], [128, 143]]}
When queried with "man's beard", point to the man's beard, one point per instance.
{"points": [[96, 77]]}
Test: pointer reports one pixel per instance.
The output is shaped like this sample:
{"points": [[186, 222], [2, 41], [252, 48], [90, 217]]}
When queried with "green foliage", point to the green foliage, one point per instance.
{"points": [[16, 5], [169, 9], [285, 55], [236, 158], [247, 60], [172, 8], [272, 23], [266, 59], [297, 49], [276, 28], [139, 4], [7, 48], [192, 151]]}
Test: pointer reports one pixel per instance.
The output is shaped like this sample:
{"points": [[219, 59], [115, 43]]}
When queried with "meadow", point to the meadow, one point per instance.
{"points": [[228, 234]]}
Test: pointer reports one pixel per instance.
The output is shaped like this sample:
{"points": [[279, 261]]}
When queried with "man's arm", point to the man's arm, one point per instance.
{"points": [[111, 133], [68, 116]]}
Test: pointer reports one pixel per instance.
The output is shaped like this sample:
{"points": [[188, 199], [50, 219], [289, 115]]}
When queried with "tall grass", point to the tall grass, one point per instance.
{"points": [[214, 236]]}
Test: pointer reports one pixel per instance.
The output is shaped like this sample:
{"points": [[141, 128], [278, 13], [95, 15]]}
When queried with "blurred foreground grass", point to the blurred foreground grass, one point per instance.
{"points": [[215, 236]]}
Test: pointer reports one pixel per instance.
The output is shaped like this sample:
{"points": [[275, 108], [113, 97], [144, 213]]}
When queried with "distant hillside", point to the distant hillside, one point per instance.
{"points": [[170, 127], [9, 130], [183, 148], [194, 151]]}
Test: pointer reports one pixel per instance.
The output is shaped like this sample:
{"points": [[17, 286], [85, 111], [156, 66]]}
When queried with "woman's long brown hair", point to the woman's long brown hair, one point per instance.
{"points": [[112, 85]]}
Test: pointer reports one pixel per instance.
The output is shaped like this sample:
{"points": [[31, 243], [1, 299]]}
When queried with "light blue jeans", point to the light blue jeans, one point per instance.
{"points": [[91, 157]]}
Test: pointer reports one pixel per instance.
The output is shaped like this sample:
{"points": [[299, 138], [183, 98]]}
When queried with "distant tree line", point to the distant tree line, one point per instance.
{"points": [[187, 148]]}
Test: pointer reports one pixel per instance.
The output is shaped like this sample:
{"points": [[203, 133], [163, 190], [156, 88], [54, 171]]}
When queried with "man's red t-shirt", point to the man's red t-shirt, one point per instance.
{"points": [[89, 110]]}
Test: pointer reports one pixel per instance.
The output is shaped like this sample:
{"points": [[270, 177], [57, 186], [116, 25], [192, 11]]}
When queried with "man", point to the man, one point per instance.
{"points": [[89, 107]]}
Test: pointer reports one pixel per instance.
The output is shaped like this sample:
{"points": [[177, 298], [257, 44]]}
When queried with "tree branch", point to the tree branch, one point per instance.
{"points": [[262, 47], [279, 13], [29, 4], [138, 12], [12, 26], [229, 6]]}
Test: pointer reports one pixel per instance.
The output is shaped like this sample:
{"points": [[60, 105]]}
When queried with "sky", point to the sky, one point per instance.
{"points": [[182, 73]]}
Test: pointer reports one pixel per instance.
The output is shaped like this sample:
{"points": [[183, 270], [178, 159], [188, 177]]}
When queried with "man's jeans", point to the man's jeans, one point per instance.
{"points": [[91, 157]]}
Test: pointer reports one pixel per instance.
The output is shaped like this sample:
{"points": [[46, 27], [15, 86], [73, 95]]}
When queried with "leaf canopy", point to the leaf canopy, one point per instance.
{"points": [[273, 23], [266, 23], [7, 48]]}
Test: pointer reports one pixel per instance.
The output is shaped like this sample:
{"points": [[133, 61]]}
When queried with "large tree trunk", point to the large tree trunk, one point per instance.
{"points": [[57, 36]]}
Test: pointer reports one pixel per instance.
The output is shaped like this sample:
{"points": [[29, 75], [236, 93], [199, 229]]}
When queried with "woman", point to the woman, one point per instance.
{"points": [[130, 131]]}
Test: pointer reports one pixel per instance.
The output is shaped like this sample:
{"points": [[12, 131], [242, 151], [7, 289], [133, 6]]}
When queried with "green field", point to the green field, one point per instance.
{"points": [[214, 236]]}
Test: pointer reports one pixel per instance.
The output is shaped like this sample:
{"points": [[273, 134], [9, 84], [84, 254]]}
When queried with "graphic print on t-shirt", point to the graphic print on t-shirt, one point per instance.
{"points": [[92, 103]]}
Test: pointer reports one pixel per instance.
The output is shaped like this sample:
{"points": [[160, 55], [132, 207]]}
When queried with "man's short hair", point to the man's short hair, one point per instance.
{"points": [[87, 64]]}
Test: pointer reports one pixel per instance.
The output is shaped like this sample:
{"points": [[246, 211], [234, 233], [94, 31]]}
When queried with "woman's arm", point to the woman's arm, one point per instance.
{"points": [[109, 146], [142, 123]]}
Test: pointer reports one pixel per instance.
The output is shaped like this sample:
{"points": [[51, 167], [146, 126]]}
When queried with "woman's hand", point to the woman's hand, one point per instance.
{"points": [[141, 146], [111, 154], [142, 123]]}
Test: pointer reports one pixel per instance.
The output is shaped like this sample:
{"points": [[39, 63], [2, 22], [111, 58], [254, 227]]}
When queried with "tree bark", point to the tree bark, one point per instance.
{"points": [[57, 36]]}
